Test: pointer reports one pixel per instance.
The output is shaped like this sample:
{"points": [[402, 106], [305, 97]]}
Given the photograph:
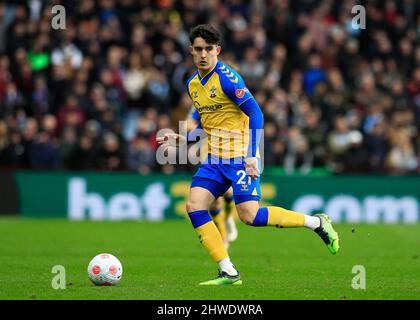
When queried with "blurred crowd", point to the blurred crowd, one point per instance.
{"points": [[93, 96]]}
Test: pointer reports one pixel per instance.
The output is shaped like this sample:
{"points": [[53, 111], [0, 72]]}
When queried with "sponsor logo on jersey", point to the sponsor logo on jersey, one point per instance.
{"points": [[209, 108]]}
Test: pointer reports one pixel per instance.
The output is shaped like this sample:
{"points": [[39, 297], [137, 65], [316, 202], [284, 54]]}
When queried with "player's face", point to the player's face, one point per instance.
{"points": [[204, 54]]}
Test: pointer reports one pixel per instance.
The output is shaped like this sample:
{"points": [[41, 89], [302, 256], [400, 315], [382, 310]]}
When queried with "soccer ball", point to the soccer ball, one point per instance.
{"points": [[105, 270]]}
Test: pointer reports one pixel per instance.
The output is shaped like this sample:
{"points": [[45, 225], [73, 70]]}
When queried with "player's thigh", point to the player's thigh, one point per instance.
{"points": [[247, 211], [217, 204], [199, 199], [211, 179], [229, 193]]}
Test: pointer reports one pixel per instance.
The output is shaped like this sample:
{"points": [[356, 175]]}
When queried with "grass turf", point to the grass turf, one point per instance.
{"points": [[166, 261]]}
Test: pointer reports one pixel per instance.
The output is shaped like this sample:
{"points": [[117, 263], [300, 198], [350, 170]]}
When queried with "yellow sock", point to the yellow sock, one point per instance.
{"points": [[212, 241], [284, 218], [219, 220]]}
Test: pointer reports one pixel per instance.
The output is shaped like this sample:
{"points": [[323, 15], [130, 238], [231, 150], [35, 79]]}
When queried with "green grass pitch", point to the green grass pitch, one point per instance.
{"points": [[166, 261]]}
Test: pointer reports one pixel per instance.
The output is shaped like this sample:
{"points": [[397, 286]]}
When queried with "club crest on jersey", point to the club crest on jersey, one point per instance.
{"points": [[212, 92], [239, 93], [195, 94]]}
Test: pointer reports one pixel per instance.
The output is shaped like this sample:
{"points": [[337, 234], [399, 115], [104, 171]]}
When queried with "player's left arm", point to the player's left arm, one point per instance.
{"points": [[256, 123], [237, 91]]}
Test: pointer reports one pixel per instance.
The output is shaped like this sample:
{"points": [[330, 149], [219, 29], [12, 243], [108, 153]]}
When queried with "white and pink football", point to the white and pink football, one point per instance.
{"points": [[105, 270]]}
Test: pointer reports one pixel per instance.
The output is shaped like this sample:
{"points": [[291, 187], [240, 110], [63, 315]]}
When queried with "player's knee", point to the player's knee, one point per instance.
{"points": [[189, 206], [192, 206], [247, 217], [247, 212]]}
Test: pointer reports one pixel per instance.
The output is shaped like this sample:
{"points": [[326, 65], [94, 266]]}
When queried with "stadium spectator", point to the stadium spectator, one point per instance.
{"points": [[109, 156], [401, 158], [16, 155], [141, 156], [314, 131], [71, 114], [123, 66], [135, 80], [298, 155], [66, 146], [67, 56], [314, 74], [356, 159], [44, 154], [4, 143], [339, 142], [377, 146]]}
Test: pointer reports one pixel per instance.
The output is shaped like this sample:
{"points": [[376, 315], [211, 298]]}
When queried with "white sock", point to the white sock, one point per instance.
{"points": [[227, 266], [312, 222]]}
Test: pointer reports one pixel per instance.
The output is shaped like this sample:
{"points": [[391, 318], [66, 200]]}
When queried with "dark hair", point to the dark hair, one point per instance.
{"points": [[207, 32]]}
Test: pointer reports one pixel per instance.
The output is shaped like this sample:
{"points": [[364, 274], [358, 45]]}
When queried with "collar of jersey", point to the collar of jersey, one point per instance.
{"points": [[204, 80]]}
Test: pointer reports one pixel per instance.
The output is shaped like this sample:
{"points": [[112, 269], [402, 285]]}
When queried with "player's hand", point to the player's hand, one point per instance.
{"points": [[172, 139], [251, 168]]}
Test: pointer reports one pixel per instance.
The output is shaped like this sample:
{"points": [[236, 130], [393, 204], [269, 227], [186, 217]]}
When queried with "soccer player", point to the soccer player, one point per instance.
{"points": [[221, 214], [226, 107]]}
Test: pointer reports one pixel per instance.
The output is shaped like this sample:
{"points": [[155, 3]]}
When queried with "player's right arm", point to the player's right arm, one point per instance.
{"points": [[194, 127], [194, 130], [173, 139]]}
